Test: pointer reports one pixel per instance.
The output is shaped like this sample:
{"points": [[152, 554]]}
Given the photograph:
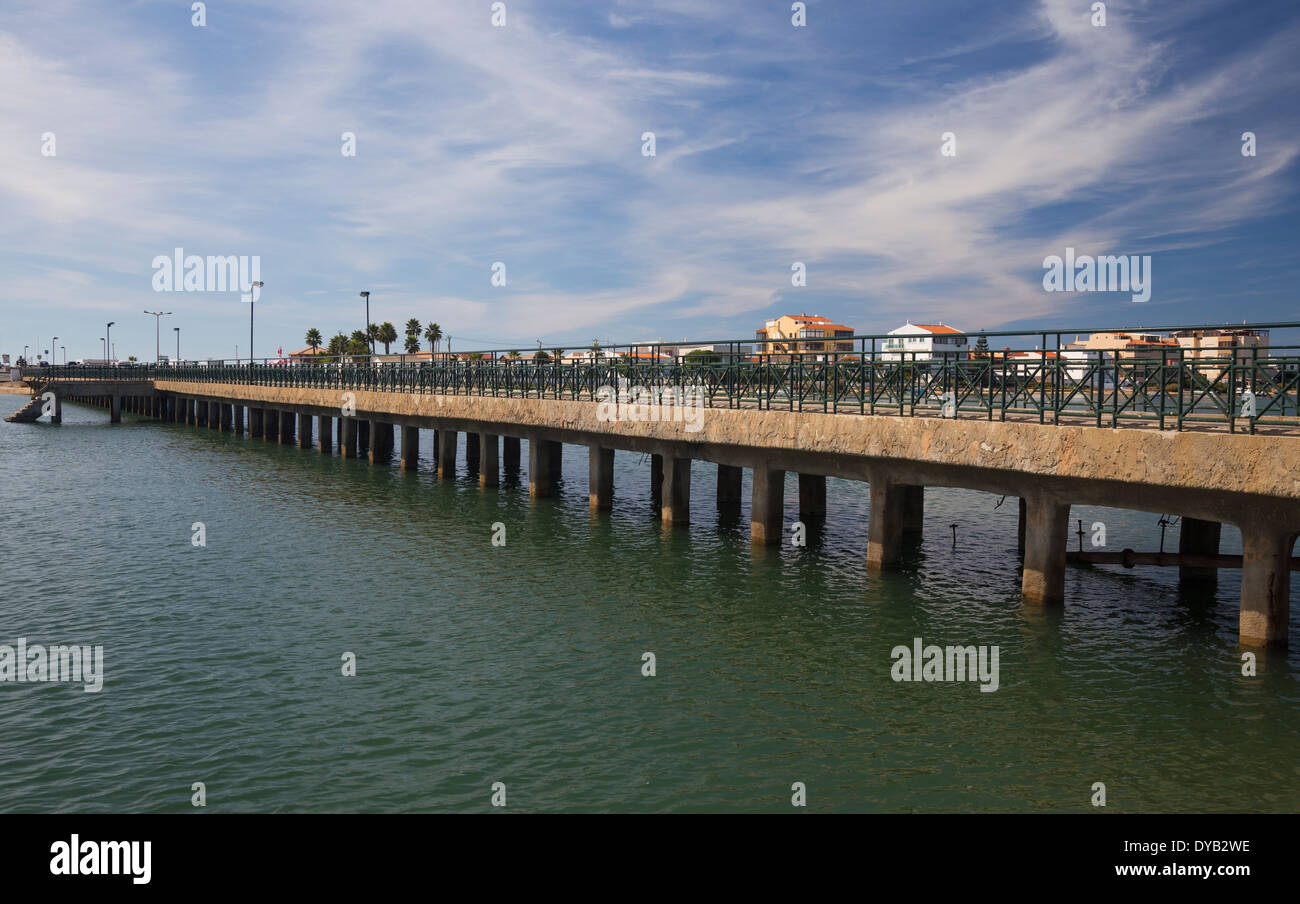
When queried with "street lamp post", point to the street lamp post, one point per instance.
{"points": [[157, 319], [105, 341], [369, 341], [25, 361], [53, 340], [252, 297], [177, 331], [108, 339], [65, 355]]}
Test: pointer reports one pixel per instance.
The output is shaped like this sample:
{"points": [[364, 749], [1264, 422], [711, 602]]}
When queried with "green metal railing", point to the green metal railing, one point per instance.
{"points": [[1169, 386]]}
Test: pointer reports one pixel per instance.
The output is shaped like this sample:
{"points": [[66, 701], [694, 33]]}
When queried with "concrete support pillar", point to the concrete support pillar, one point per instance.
{"points": [[676, 496], [541, 482], [214, 416], [348, 446], [447, 440], [255, 423], [381, 442], [1265, 585], [489, 466], [363, 437], [812, 496], [324, 433], [885, 527], [913, 510], [1198, 538], [510, 452], [729, 485], [471, 450], [338, 433], [304, 430], [557, 462], [286, 428], [271, 425], [600, 479], [115, 409], [226, 414], [410, 447], [1020, 527], [656, 481], [237, 425], [200, 413], [1047, 525], [767, 506]]}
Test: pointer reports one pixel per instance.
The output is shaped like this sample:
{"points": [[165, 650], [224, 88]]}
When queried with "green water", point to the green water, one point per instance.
{"points": [[522, 663]]}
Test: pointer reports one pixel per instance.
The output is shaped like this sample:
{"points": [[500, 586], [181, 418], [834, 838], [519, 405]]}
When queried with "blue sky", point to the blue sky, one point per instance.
{"points": [[522, 144]]}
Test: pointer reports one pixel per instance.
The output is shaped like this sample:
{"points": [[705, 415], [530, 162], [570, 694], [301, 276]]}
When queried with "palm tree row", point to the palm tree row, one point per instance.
{"points": [[362, 342]]}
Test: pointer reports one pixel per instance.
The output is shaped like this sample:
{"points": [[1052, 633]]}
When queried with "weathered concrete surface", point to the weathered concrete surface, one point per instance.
{"points": [[1213, 476]]}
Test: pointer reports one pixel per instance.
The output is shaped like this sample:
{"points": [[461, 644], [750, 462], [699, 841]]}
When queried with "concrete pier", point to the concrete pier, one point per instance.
{"points": [[1197, 537], [227, 415], [1265, 583], [348, 446], [363, 437], [255, 423], [730, 480], [381, 442], [812, 497], [471, 451], [600, 478], [489, 470], [410, 448], [304, 430], [1045, 467], [287, 420], [324, 433], [913, 510], [885, 524], [541, 481], [767, 506], [1047, 525], [447, 442], [675, 505], [656, 480], [557, 461], [238, 424]]}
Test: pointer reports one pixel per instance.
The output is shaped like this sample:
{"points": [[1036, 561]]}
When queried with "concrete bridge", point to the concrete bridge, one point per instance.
{"points": [[1209, 478]]}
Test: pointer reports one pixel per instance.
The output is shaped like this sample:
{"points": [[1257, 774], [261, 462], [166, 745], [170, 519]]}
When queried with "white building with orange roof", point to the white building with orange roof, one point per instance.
{"points": [[925, 341]]}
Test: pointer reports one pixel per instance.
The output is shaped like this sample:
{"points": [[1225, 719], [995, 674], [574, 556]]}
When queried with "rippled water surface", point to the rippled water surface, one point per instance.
{"points": [[522, 664]]}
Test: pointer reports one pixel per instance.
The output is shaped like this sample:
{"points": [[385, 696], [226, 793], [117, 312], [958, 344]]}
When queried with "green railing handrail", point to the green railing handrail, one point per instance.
{"points": [[1250, 386]]}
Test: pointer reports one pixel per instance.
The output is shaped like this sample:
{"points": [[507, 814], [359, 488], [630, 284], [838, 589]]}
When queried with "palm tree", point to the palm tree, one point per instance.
{"points": [[413, 328], [371, 335], [357, 344], [513, 353], [387, 334], [433, 333], [313, 339], [338, 344]]}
